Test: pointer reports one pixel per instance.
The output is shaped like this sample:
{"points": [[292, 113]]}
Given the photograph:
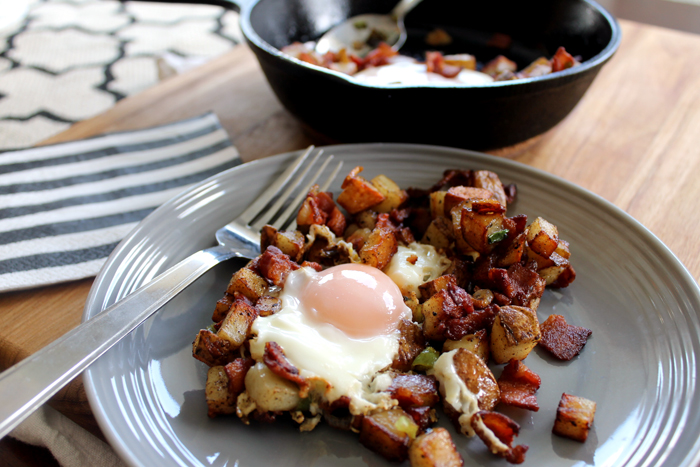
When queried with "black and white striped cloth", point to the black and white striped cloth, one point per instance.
{"points": [[64, 208]]}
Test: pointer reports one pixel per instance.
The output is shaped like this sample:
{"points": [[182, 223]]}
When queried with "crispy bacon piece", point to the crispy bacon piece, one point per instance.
{"points": [[312, 265], [504, 429], [561, 339], [277, 362], [236, 371], [518, 385], [519, 283], [275, 266], [562, 60], [487, 206], [319, 208], [455, 329], [435, 63], [453, 178], [379, 56]]}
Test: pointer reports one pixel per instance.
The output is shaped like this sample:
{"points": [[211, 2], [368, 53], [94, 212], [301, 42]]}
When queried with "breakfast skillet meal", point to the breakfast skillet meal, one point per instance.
{"points": [[350, 320]]}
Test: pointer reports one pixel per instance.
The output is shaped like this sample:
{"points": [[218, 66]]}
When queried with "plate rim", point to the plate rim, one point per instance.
{"points": [[670, 259]]}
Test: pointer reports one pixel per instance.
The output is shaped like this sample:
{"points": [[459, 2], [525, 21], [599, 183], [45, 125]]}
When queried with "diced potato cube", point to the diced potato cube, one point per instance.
{"points": [[358, 194], [411, 343], [563, 249], [291, 243], [460, 243], [388, 433], [236, 326], [434, 449], [432, 287], [222, 307], [366, 219], [458, 194], [542, 237], [514, 253], [248, 283], [478, 343], [574, 417], [437, 204], [439, 233], [394, 196], [490, 181], [379, 248], [270, 392], [499, 65], [212, 349], [433, 315], [478, 378], [515, 333], [461, 60], [477, 229], [219, 400]]}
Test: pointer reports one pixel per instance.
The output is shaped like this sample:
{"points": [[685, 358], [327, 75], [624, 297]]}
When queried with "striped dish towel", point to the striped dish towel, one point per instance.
{"points": [[64, 208]]}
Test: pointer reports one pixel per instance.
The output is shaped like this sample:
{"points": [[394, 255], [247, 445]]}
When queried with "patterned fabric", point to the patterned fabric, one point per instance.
{"points": [[62, 61], [63, 208]]}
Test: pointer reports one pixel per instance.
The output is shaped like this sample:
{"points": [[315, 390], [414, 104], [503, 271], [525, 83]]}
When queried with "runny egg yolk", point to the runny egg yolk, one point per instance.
{"points": [[359, 300]]}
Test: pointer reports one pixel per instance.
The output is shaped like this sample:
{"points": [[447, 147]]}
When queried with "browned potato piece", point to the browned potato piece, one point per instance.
{"points": [[489, 181], [477, 228], [414, 390], [461, 60], [574, 417], [222, 307], [515, 333], [477, 343], [458, 194], [379, 248], [514, 253], [394, 196], [212, 350], [236, 326], [434, 449], [411, 343], [433, 314], [462, 245], [270, 392], [539, 67], [248, 283], [439, 233], [429, 289], [542, 237], [498, 65], [551, 274], [366, 219], [219, 400], [291, 243], [478, 378], [379, 432], [437, 204], [358, 194]]}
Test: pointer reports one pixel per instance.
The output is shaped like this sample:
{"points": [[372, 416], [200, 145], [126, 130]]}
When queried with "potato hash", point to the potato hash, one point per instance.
{"points": [[387, 304]]}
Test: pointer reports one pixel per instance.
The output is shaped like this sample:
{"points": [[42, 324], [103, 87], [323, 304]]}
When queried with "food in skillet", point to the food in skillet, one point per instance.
{"points": [[372, 316], [384, 66]]}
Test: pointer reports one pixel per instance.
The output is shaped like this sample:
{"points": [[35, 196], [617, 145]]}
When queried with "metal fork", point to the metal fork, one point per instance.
{"points": [[30, 383]]}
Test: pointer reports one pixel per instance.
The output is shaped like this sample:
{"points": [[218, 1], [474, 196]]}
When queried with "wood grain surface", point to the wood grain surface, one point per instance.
{"points": [[634, 139]]}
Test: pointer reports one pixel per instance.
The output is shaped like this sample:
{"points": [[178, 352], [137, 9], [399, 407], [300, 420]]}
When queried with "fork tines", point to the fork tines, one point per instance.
{"points": [[278, 205]]}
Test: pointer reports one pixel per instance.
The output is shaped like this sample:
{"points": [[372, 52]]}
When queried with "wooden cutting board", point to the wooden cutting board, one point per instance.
{"points": [[634, 139]]}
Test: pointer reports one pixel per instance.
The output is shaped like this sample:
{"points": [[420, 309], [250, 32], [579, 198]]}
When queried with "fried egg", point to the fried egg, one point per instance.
{"points": [[339, 325]]}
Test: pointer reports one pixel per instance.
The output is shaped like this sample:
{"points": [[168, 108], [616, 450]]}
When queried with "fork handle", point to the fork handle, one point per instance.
{"points": [[30, 383]]}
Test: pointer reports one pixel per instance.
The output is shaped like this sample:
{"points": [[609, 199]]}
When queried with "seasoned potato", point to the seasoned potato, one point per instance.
{"points": [[222, 307], [478, 229], [439, 233], [393, 195], [411, 343], [248, 283], [478, 378], [379, 248], [574, 417], [388, 433], [490, 181], [477, 343], [437, 204], [219, 400], [358, 194], [270, 392], [542, 237], [459, 194], [212, 349], [515, 333], [514, 253], [432, 287], [460, 242], [434, 449], [433, 315], [461, 60], [366, 219], [291, 243], [236, 326]]}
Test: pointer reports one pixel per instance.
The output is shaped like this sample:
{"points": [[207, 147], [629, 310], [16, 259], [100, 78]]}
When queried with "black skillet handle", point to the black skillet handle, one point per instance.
{"points": [[235, 5]]}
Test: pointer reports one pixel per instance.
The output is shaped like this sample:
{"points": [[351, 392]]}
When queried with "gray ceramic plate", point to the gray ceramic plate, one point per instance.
{"points": [[639, 365]]}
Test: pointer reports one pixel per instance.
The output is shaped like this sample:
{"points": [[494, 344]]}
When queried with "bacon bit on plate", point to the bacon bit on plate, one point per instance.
{"points": [[518, 385], [561, 339], [505, 430]]}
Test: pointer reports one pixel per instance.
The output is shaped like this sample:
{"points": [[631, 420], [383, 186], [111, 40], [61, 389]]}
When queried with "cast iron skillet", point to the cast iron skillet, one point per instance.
{"points": [[479, 117]]}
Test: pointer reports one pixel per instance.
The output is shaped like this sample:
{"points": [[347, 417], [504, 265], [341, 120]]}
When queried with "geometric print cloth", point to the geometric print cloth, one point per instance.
{"points": [[63, 208], [63, 61]]}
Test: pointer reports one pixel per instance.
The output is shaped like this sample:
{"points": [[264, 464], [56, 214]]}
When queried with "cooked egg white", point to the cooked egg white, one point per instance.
{"points": [[405, 71], [340, 325], [409, 275]]}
